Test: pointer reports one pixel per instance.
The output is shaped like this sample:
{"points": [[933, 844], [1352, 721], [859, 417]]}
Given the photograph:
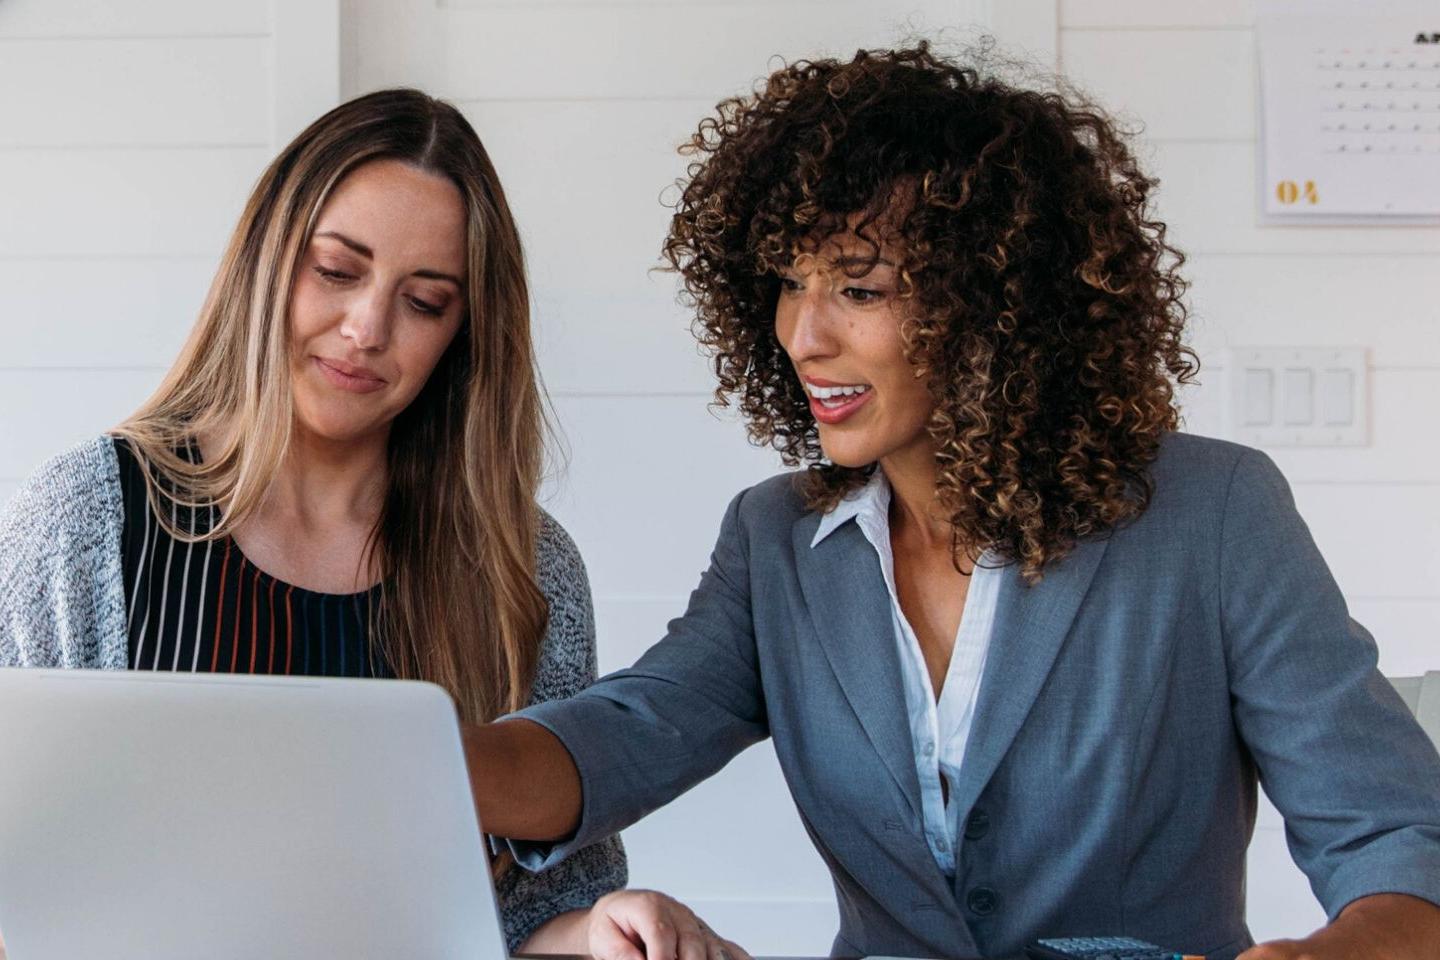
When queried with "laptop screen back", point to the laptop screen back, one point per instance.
{"points": [[163, 816]]}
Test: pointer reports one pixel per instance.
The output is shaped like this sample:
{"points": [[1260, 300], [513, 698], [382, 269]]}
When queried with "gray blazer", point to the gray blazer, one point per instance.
{"points": [[1130, 702]]}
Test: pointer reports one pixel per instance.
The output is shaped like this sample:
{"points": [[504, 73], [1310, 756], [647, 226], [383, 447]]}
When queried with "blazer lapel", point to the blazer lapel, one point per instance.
{"points": [[1030, 625], [845, 592]]}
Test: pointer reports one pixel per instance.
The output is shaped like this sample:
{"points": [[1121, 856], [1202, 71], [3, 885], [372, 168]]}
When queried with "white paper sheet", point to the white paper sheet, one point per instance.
{"points": [[1350, 115]]}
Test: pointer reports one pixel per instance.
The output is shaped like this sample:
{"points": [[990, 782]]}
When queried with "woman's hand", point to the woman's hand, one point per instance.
{"points": [[1386, 926], [645, 925]]}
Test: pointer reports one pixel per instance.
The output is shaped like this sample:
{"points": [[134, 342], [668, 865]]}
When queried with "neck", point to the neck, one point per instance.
{"points": [[915, 513], [326, 483], [322, 483]]}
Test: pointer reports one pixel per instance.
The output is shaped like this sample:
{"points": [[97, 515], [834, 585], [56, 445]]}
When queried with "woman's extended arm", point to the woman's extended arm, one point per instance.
{"points": [[532, 903], [526, 785], [519, 767], [638, 738]]}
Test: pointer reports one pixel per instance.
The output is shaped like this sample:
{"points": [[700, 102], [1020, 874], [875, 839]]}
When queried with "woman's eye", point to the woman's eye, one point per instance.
{"points": [[334, 276], [425, 307], [861, 295], [788, 285]]}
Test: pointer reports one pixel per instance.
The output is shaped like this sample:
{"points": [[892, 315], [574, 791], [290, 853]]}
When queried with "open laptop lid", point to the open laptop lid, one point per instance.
{"points": [[159, 816]]}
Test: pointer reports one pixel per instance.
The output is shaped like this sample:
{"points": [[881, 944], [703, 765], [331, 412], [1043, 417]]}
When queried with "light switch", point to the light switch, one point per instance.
{"points": [[1298, 396], [1337, 398], [1259, 397], [1297, 386]]}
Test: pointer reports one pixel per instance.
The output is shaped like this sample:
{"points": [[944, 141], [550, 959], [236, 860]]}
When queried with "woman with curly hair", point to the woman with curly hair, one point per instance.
{"points": [[1024, 649]]}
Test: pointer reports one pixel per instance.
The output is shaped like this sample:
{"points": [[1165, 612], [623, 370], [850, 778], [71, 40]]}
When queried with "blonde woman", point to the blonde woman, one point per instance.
{"points": [[338, 475]]}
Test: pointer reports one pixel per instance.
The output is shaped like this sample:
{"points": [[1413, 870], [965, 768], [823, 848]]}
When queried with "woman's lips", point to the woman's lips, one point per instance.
{"points": [[835, 414], [348, 381]]}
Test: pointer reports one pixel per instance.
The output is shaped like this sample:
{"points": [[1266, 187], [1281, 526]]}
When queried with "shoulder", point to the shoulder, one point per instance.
{"points": [[766, 511], [73, 493], [1204, 492], [86, 471], [774, 498], [567, 651], [60, 558], [561, 575], [557, 559], [1246, 492], [1195, 461], [1202, 475]]}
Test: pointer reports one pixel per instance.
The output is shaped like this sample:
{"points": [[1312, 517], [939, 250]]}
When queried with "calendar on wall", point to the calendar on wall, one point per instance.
{"points": [[1350, 111]]}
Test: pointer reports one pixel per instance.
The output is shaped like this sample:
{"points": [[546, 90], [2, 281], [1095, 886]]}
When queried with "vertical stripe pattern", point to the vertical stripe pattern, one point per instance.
{"points": [[205, 607]]}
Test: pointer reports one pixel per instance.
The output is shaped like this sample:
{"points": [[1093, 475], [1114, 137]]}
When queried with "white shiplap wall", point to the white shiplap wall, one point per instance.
{"points": [[1187, 71], [142, 126], [581, 104], [130, 135]]}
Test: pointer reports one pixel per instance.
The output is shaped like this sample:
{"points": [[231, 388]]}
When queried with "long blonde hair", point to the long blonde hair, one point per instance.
{"points": [[456, 538]]}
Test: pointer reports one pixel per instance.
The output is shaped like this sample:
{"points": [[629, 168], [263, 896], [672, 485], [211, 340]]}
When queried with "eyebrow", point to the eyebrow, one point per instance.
{"points": [[844, 262], [369, 254]]}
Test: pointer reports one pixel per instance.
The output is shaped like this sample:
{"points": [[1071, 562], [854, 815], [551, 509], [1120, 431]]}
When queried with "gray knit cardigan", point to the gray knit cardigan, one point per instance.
{"points": [[62, 604]]}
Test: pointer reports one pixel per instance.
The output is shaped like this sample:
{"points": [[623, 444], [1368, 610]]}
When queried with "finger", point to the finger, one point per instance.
{"points": [[658, 934], [608, 942], [694, 945], [1275, 950], [733, 951]]}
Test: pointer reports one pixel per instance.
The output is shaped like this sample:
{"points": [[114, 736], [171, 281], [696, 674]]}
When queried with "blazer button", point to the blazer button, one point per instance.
{"points": [[977, 825], [982, 901]]}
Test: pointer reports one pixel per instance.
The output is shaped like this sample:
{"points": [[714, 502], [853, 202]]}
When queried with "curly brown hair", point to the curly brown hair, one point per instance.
{"points": [[1042, 302]]}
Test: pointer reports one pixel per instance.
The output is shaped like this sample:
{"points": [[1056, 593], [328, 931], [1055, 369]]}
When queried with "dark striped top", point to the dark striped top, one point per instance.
{"points": [[205, 607]]}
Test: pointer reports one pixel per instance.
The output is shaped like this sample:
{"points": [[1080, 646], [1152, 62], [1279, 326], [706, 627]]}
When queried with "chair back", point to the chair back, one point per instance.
{"points": [[1422, 696]]}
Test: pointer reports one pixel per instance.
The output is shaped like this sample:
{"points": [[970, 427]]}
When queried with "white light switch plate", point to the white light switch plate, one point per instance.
{"points": [[1298, 396]]}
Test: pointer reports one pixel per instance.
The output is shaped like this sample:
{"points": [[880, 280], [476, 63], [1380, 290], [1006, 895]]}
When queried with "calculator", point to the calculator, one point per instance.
{"points": [[1099, 948]]}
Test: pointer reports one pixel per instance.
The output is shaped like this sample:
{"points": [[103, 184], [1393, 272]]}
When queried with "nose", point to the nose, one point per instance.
{"points": [[367, 320], [804, 324]]}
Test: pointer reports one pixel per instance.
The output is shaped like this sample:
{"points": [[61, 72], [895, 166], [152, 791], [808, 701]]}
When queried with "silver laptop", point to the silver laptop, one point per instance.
{"points": [[156, 816]]}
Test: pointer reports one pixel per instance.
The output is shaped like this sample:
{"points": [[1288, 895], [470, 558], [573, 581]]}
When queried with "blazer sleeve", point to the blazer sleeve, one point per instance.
{"points": [[567, 665], [643, 736], [1338, 752]]}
